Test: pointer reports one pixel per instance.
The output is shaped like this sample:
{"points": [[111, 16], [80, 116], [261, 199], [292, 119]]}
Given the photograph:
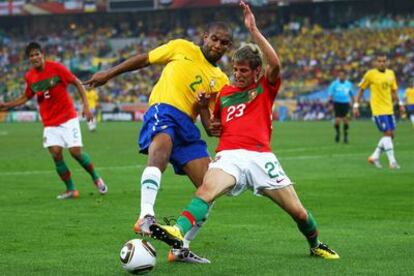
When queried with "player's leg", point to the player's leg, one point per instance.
{"points": [[386, 124], [195, 170], [337, 122], [216, 182], [389, 149], [159, 152], [86, 163], [410, 113], [63, 172], [73, 140], [92, 123], [53, 140], [346, 128], [337, 129], [288, 200]]}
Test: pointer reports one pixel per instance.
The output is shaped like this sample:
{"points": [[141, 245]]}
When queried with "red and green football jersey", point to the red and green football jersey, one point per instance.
{"points": [[50, 87], [246, 116]]}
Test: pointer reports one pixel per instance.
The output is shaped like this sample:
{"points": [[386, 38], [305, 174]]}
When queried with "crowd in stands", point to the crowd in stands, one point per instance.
{"points": [[311, 55]]}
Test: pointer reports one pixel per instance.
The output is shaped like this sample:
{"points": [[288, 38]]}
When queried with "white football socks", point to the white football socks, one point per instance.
{"points": [[380, 147], [150, 184], [389, 149]]}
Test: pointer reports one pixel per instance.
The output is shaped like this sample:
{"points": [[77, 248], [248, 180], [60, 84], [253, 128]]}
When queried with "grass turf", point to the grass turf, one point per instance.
{"points": [[365, 214]]}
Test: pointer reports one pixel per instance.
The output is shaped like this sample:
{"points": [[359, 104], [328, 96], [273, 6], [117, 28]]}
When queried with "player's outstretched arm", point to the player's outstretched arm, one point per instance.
{"points": [[273, 62], [19, 101], [86, 112], [131, 64]]}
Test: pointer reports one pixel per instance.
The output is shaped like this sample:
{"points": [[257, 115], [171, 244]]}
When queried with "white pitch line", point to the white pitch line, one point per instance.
{"points": [[75, 170]]}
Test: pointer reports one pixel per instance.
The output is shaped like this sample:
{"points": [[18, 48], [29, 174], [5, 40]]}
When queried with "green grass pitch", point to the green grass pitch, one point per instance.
{"points": [[365, 214]]}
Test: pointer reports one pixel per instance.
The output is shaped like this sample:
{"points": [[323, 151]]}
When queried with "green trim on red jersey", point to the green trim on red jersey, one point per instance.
{"points": [[45, 84], [240, 97]]}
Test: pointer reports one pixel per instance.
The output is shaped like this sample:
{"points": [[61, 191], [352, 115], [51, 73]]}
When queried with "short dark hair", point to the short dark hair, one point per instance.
{"points": [[250, 53], [32, 46], [381, 54], [221, 25]]}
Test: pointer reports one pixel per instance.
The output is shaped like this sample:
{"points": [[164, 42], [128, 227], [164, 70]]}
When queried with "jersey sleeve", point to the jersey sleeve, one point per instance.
{"points": [[365, 82], [164, 53], [65, 73], [273, 88]]}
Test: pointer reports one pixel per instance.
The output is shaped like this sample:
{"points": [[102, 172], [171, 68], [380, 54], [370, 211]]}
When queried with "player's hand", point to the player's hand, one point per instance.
{"points": [[355, 112], [203, 100], [87, 114], [98, 79], [402, 109], [215, 127], [249, 20]]}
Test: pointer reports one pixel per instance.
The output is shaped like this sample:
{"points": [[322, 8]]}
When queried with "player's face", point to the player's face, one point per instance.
{"points": [[381, 63], [36, 59], [216, 43], [244, 75], [342, 76]]}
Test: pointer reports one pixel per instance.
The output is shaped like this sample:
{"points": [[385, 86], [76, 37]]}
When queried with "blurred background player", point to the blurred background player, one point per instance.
{"points": [[340, 93], [244, 158], [93, 98], [409, 101], [49, 81], [383, 87], [168, 133]]}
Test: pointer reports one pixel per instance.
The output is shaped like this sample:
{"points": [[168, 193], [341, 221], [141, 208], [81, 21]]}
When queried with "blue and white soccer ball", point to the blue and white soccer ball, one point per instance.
{"points": [[138, 256]]}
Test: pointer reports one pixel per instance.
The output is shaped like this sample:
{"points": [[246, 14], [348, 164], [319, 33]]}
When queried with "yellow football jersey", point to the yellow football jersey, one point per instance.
{"points": [[186, 73], [92, 97], [409, 95], [380, 85]]}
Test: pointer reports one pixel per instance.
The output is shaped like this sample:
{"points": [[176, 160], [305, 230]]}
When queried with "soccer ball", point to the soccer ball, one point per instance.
{"points": [[138, 256]]}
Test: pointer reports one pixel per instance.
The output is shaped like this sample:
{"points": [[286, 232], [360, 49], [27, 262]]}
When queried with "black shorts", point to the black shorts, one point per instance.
{"points": [[341, 109]]}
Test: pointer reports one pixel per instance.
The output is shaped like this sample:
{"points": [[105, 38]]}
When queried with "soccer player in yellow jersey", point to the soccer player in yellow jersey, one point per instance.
{"points": [[168, 133], [409, 98], [383, 86], [92, 97]]}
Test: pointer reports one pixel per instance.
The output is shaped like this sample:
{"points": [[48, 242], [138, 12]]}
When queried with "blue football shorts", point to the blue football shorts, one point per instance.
{"points": [[186, 138], [385, 122], [410, 107]]}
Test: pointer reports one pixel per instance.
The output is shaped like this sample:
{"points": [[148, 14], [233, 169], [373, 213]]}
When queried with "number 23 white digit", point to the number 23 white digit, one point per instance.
{"points": [[235, 111]]}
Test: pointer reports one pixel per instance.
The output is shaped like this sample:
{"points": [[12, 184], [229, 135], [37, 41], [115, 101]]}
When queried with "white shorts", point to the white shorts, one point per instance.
{"points": [[66, 135], [253, 170]]}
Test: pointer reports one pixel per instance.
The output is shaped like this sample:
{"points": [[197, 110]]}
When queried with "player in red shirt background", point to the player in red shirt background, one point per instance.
{"points": [[48, 81], [244, 159]]}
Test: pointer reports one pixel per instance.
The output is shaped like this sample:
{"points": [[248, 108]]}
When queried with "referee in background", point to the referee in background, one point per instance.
{"points": [[340, 93]]}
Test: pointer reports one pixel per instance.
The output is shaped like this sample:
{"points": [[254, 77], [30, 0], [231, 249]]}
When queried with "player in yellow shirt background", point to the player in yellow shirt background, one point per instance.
{"points": [[383, 87], [168, 132], [93, 99], [409, 101]]}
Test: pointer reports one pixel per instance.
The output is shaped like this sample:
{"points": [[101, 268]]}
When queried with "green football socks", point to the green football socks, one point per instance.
{"points": [[87, 165], [194, 213], [64, 174], [310, 230]]}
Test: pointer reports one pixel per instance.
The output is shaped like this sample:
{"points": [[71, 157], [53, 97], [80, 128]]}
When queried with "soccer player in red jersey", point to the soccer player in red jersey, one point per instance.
{"points": [[48, 81], [244, 159]]}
